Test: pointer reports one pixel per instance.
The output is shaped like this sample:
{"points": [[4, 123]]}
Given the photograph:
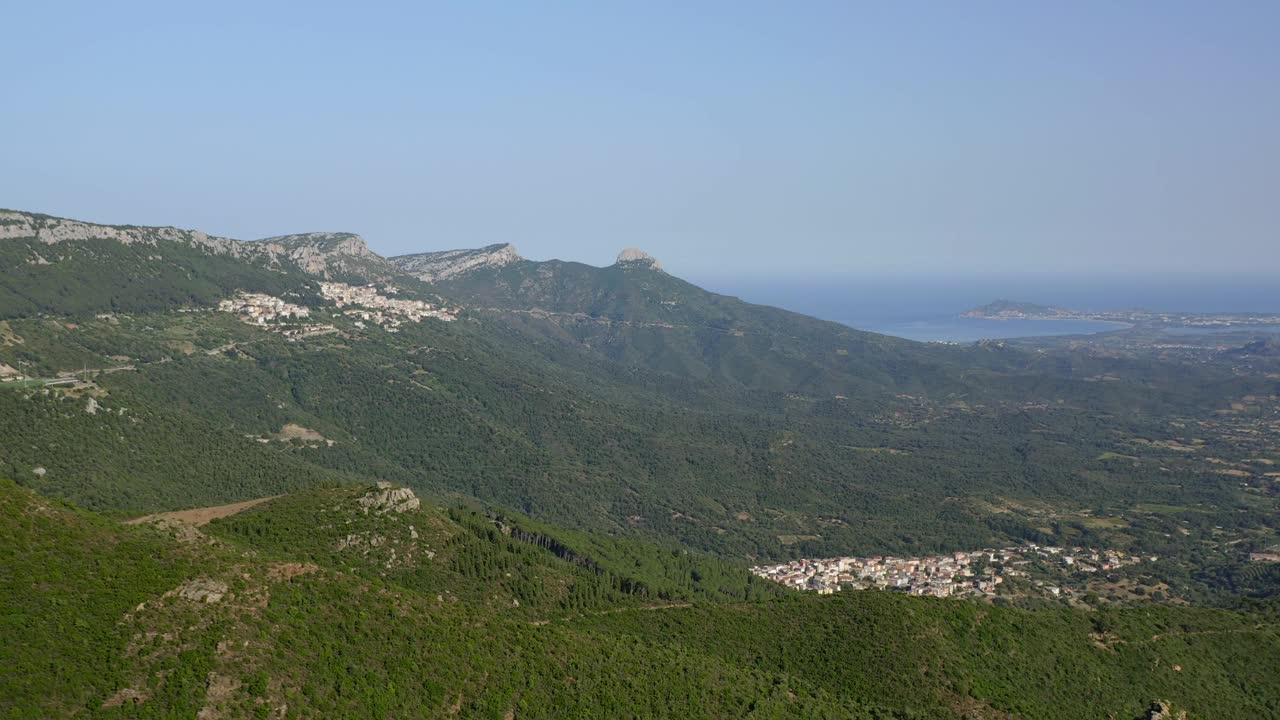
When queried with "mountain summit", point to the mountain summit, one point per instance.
{"points": [[434, 266], [637, 257], [328, 255]]}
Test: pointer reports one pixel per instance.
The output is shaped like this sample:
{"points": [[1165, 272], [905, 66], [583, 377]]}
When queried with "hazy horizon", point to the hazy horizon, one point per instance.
{"points": [[742, 139]]}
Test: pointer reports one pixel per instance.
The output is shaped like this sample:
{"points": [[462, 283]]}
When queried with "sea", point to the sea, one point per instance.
{"points": [[928, 308]]}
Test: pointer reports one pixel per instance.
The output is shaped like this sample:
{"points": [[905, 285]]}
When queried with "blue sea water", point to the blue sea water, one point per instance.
{"points": [[928, 308]]}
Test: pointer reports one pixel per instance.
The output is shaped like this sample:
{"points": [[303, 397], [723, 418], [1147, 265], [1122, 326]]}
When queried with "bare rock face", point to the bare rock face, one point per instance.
{"points": [[434, 266], [51, 231], [321, 254], [1161, 710], [326, 254], [384, 499], [637, 257], [204, 590], [183, 532]]}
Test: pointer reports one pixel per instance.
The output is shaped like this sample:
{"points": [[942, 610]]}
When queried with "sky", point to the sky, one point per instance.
{"points": [[751, 138]]}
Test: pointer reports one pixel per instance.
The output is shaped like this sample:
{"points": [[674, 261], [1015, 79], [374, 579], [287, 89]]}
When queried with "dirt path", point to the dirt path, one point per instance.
{"points": [[1233, 631], [202, 516], [633, 608]]}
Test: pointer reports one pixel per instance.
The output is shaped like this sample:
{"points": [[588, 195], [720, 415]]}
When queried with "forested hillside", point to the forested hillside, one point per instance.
{"points": [[620, 399], [358, 602], [477, 409], [590, 460]]}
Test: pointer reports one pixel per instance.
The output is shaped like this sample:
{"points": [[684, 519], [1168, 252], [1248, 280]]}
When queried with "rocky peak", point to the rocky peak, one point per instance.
{"points": [[384, 498], [445, 264], [638, 258], [337, 243], [327, 254]]}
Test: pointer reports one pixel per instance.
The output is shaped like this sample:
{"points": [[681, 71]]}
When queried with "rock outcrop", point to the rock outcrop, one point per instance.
{"points": [[328, 255], [322, 254], [52, 231], [386, 499], [638, 258], [202, 590], [435, 266], [1161, 710]]}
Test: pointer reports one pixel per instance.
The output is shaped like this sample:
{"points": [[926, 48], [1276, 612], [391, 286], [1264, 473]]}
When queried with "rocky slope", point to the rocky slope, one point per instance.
{"points": [[637, 257], [48, 230], [321, 254], [435, 266], [328, 255]]}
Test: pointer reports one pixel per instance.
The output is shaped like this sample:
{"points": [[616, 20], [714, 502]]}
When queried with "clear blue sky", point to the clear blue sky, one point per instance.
{"points": [[737, 136]]}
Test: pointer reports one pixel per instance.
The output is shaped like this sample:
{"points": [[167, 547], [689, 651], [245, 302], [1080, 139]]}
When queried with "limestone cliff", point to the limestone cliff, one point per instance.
{"points": [[434, 266], [327, 255], [634, 257]]}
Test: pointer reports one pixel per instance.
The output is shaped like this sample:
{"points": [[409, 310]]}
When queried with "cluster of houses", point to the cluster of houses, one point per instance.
{"points": [[260, 308], [363, 304], [977, 572], [272, 313], [370, 306]]}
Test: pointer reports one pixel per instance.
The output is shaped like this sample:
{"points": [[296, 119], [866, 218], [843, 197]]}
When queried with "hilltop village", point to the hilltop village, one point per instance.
{"points": [[364, 304], [388, 312], [975, 573], [260, 308]]}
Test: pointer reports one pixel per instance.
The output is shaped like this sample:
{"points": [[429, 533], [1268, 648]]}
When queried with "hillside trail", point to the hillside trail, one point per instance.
{"points": [[611, 611], [201, 516]]}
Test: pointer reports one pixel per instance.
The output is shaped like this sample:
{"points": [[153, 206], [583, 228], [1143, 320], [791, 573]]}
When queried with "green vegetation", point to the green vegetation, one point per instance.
{"points": [[477, 409], [106, 620], [98, 276], [537, 566], [600, 452]]}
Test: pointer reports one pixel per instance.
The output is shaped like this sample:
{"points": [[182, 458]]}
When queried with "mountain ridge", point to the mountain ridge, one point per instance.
{"points": [[618, 398], [323, 254], [437, 265]]}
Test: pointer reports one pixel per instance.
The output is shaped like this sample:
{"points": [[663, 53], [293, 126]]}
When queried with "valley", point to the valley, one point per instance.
{"points": [[581, 444], [638, 361]]}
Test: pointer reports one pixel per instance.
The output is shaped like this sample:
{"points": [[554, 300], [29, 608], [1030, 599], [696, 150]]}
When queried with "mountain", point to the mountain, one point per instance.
{"points": [[639, 258], [478, 485], [434, 266], [620, 400], [60, 266], [65, 267], [634, 313], [333, 256], [361, 601]]}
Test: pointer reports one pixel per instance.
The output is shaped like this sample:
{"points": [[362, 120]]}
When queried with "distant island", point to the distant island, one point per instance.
{"points": [[1019, 310], [1015, 310]]}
